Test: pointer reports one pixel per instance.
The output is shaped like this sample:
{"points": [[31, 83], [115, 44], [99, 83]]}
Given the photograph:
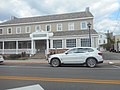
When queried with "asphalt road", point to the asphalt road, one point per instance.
{"points": [[102, 77]]}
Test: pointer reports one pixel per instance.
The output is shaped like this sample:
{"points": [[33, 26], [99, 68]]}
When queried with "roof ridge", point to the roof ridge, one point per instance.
{"points": [[50, 15], [63, 16]]}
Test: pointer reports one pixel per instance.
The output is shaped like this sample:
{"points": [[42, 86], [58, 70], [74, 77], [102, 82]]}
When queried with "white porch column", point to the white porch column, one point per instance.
{"points": [[32, 46], [47, 46], [3, 47], [51, 43], [78, 42], [16, 47]]}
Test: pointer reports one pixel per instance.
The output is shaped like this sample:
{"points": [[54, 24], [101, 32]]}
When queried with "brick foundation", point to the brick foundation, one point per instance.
{"points": [[56, 51]]}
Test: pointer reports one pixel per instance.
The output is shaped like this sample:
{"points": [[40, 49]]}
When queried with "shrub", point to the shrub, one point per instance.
{"points": [[13, 56]]}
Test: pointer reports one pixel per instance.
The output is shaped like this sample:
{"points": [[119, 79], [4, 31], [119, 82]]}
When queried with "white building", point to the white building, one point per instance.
{"points": [[102, 39]]}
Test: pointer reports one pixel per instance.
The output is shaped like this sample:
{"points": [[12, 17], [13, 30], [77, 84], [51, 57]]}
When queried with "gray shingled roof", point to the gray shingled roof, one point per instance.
{"points": [[61, 33], [49, 18], [77, 32], [14, 36]]}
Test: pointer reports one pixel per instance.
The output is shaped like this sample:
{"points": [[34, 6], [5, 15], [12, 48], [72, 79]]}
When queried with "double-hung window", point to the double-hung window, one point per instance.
{"points": [[27, 29], [1, 31], [71, 26], [37, 28], [18, 30], [48, 27], [59, 27], [9, 30], [84, 25]]}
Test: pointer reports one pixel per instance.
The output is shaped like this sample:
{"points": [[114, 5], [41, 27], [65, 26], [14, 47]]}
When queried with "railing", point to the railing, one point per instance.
{"points": [[16, 51]]}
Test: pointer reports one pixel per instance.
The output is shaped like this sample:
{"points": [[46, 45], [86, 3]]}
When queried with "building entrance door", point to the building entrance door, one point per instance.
{"points": [[40, 46]]}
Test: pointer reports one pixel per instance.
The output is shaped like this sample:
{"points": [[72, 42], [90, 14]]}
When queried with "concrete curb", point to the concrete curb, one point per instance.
{"points": [[44, 61], [112, 61], [25, 61]]}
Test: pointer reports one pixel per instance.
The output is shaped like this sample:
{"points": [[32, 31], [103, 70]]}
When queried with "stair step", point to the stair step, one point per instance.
{"points": [[38, 56]]}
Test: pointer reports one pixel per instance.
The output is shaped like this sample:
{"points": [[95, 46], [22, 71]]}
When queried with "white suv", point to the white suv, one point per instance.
{"points": [[78, 55], [1, 59]]}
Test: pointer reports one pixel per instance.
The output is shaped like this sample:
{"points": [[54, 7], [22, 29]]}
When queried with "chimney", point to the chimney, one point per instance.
{"points": [[87, 9]]}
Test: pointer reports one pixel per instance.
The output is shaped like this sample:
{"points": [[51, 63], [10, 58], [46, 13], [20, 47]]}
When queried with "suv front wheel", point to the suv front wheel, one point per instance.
{"points": [[91, 62], [55, 62]]}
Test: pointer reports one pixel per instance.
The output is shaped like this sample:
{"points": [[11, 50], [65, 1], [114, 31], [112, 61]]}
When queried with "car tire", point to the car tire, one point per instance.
{"points": [[91, 62], [55, 62]]}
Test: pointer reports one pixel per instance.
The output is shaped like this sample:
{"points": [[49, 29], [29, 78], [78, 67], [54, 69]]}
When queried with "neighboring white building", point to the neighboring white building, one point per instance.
{"points": [[102, 39], [117, 43]]}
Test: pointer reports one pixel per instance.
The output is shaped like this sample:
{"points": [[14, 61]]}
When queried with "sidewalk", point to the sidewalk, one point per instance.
{"points": [[112, 61], [30, 61], [44, 61]]}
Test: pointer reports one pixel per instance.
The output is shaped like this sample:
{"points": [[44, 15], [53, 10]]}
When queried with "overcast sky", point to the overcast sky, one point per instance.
{"points": [[106, 12]]}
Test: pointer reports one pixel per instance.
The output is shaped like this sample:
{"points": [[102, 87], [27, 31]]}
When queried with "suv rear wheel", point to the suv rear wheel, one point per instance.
{"points": [[55, 62], [91, 62]]}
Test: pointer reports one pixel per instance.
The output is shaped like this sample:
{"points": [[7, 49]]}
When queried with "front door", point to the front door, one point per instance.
{"points": [[41, 46]]}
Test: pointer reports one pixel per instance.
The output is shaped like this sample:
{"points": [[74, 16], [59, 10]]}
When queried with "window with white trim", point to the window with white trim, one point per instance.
{"points": [[1, 45], [9, 45], [85, 42], [70, 43], [57, 43], [18, 30], [99, 41], [29, 44], [104, 41], [59, 27], [9, 30], [1, 31], [83, 25], [48, 27], [28, 29], [37, 28], [70, 26]]}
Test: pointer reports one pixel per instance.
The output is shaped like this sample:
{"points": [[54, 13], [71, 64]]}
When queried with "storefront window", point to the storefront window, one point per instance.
{"points": [[57, 43], [70, 43]]}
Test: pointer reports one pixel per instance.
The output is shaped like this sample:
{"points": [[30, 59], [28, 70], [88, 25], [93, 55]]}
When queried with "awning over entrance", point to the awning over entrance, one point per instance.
{"points": [[41, 35]]}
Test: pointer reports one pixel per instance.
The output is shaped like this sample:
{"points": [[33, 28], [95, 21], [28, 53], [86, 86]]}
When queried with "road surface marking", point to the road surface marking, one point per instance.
{"points": [[39, 67], [116, 66], [77, 80], [32, 87]]}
